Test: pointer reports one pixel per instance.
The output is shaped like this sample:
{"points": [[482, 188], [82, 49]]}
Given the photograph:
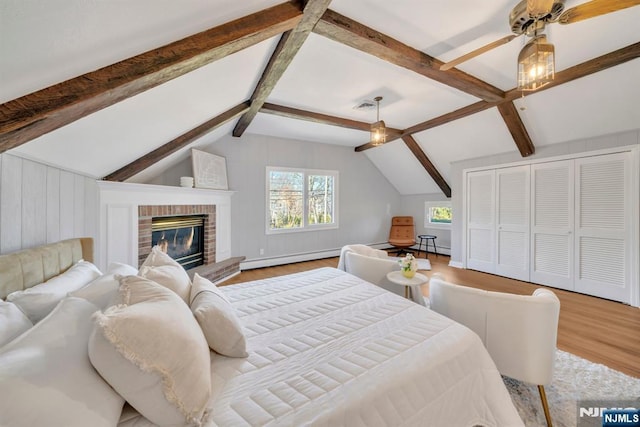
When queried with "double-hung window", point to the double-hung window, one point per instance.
{"points": [[301, 199]]}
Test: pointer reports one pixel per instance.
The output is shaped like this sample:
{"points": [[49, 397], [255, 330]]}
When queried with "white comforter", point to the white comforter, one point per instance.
{"points": [[328, 349]]}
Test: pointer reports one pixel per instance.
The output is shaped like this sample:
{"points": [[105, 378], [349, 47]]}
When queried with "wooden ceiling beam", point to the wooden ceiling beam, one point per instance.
{"points": [[48, 109], [584, 69], [295, 113], [287, 48], [351, 33], [426, 163], [592, 66], [171, 147], [516, 127]]}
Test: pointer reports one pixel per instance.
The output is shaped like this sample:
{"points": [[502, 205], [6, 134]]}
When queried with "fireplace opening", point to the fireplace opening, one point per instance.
{"points": [[181, 237]]}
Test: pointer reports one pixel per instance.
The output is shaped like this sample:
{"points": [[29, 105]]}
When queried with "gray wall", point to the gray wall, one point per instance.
{"points": [[367, 201], [567, 148], [414, 205], [42, 204]]}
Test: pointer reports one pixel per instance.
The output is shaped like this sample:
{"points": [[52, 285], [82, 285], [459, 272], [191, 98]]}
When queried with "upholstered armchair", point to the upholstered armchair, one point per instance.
{"points": [[373, 265], [519, 331], [402, 234]]}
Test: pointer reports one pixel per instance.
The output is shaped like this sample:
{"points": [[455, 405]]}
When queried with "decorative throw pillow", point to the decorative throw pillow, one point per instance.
{"points": [[13, 322], [103, 291], [46, 378], [163, 269], [38, 301], [150, 349], [217, 318]]}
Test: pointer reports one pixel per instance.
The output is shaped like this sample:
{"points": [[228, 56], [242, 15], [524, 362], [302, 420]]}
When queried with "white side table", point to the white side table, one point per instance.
{"points": [[408, 283]]}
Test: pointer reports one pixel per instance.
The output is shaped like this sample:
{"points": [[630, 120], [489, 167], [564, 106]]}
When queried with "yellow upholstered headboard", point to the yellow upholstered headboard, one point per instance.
{"points": [[29, 267]]}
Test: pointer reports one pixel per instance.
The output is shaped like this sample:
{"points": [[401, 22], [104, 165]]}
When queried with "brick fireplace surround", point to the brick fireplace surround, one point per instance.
{"points": [[211, 270], [147, 212]]}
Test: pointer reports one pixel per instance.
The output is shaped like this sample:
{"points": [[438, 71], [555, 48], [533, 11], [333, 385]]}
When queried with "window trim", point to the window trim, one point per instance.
{"points": [[305, 226], [427, 213]]}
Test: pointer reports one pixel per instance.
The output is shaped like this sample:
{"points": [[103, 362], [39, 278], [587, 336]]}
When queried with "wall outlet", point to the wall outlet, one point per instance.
{"points": [[261, 251]]}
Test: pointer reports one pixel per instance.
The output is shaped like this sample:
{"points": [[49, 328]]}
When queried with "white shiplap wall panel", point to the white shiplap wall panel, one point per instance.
{"points": [[90, 207], [42, 204], [78, 205], [67, 192], [53, 205], [34, 204], [11, 204]]}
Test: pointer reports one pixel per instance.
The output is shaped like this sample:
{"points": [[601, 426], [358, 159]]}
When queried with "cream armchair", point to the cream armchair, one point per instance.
{"points": [[519, 331], [373, 265]]}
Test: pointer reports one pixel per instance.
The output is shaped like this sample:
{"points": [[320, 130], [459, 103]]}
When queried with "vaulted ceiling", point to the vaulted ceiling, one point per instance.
{"points": [[123, 90]]}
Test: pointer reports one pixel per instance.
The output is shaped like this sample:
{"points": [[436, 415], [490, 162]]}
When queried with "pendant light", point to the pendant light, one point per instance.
{"points": [[378, 129]]}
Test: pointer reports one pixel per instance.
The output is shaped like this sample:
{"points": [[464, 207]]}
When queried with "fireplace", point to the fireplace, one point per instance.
{"points": [[181, 237], [167, 217]]}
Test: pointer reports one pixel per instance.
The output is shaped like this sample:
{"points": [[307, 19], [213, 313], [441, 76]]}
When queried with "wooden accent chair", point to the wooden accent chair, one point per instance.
{"points": [[402, 234], [519, 331]]}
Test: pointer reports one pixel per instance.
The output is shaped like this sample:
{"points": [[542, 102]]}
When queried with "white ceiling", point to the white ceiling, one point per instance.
{"points": [[42, 43]]}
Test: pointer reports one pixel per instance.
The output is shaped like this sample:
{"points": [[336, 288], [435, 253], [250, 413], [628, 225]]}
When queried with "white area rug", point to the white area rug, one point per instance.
{"points": [[574, 379]]}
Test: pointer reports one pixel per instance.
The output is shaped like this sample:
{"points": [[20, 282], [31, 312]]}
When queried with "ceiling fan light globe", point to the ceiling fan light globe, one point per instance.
{"points": [[536, 64]]}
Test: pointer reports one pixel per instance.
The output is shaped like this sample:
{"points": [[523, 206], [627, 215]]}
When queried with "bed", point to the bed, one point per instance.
{"points": [[329, 349]]}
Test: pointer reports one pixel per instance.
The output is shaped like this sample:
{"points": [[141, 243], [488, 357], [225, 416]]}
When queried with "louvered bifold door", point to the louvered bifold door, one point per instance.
{"points": [[512, 222], [603, 241], [551, 259], [481, 221]]}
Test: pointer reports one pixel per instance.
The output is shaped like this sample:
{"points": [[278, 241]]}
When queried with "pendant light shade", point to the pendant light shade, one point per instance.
{"points": [[378, 129], [536, 64]]}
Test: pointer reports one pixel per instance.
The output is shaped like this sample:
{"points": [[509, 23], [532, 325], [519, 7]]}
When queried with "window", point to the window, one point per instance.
{"points": [[437, 214], [301, 200]]}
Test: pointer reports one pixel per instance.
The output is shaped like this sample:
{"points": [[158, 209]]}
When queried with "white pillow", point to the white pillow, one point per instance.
{"points": [[217, 318], [46, 378], [38, 301], [102, 291], [13, 322], [163, 269], [151, 350]]}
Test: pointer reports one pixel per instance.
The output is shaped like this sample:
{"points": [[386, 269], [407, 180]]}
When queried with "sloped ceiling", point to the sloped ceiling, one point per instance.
{"points": [[44, 43]]}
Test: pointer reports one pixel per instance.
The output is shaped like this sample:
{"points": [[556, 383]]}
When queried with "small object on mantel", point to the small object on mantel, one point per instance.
{"points": [[186, 181]]}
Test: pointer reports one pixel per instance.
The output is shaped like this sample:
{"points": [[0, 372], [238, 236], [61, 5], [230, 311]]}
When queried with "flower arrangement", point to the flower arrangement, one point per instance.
{"points": [[408, 265]]}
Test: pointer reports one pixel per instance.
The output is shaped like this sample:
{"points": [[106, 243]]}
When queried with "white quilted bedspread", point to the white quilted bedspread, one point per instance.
{"points": [[328, 349]]}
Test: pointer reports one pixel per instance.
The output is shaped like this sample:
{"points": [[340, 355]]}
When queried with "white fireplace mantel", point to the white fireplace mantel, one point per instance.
{"points": [[118, 217]]}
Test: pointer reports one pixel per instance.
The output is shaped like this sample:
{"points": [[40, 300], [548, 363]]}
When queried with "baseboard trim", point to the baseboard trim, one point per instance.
{"points": [[291, 258], [456, 264]]}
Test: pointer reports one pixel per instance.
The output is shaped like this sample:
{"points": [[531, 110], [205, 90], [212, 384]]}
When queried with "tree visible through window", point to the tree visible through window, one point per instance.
{"points": [[437, 214], [300, 199]]}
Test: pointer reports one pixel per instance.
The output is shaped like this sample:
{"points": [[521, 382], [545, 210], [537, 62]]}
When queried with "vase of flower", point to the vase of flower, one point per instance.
{"points": [[408, 265]]}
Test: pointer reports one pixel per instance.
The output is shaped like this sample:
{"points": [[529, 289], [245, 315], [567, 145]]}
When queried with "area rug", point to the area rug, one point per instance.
{"points": [[574, 379]]}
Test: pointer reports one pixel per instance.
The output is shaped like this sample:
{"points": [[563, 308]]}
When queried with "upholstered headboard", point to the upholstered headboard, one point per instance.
{"points": [[29, 267]]}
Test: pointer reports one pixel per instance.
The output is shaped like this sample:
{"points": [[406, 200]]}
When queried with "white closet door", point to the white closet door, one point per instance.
{"points": [[512, 221], [552, 224], [481, 221], [602, 219]]}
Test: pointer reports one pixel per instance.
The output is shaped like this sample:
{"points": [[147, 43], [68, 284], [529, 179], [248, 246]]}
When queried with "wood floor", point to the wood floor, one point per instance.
{"points": [[599, 330]]}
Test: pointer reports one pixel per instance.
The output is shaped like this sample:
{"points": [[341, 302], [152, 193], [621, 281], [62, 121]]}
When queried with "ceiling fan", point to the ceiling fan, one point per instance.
{"points": [[529, 17]]}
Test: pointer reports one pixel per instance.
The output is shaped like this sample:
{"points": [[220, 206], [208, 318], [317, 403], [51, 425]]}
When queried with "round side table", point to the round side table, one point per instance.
{"points": [[408, 283]]}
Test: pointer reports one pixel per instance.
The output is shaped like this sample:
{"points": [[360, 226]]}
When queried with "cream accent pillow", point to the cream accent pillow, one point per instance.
{"points": [[13, 322], [38, 301], [217, 318], [151, 350], [103, 291], [163, 269], [46, 378]]}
